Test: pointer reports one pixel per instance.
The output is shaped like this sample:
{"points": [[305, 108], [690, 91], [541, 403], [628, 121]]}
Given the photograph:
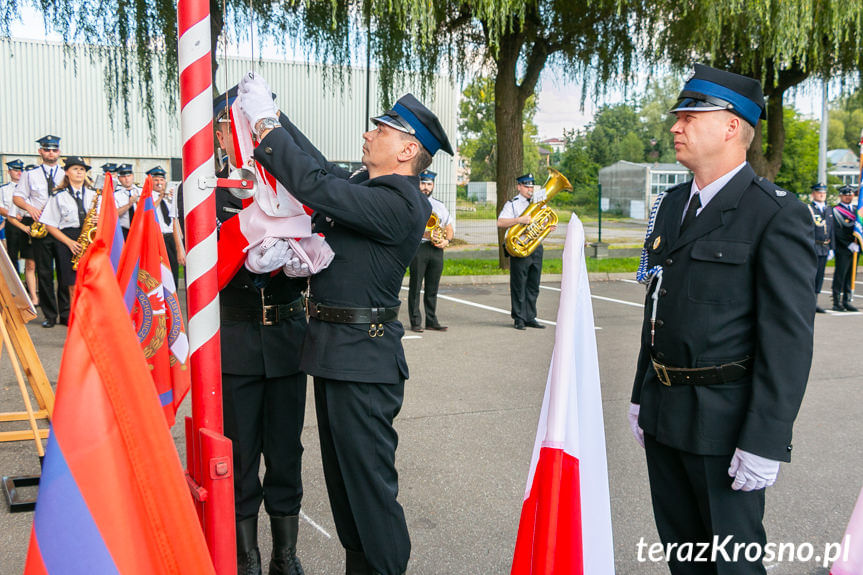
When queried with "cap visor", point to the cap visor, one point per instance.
{"points": [[392, 123]]}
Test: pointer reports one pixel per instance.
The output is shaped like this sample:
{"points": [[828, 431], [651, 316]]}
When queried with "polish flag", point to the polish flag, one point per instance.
{"points": [[565, 525], [850, 561]]}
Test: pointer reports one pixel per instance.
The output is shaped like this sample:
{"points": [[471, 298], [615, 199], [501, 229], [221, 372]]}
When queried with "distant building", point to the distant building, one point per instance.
{"points": [[631, 188], [482, 192], [556, 145], [845, 165]]}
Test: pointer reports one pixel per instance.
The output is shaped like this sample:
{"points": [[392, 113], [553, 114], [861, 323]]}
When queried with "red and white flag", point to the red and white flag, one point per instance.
{"points": [[565, 525]]}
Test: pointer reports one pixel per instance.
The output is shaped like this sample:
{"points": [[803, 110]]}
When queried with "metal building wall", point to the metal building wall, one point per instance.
{"points": [[61, 92]]}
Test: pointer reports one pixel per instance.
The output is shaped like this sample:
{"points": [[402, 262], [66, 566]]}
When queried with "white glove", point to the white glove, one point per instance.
{"points": [[854, 247], [830, 255], [752, 472], [256, 99], [632, 414], [296, 268], [269, 255]]}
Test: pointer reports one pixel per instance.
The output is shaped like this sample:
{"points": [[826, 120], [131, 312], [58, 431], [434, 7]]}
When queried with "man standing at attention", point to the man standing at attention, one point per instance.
{"points": [[823, 222], [373, 220], [35, 187], [726, 342], [846, 248], [427, 265]]}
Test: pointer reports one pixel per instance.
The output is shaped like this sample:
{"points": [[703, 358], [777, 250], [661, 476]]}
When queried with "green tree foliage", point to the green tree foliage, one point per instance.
{"points": [[478, 132], [782, 42], [846, 123], [800, 163]]}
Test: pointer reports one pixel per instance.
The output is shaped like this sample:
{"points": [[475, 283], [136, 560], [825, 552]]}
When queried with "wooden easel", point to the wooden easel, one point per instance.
{"points": [[15, 311]]}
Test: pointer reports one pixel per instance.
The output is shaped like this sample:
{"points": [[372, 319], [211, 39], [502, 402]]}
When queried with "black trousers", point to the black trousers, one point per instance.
{"points": [[171, 248], [524, 276], [17, 245], [427, 266], [47, 260], [358, 449], [842, 274], [693, 502], [265, 416], [819, 274]]}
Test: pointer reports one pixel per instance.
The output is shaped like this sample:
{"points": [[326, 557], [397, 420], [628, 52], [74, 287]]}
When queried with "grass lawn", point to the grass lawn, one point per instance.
{"points": [[482, 267]]}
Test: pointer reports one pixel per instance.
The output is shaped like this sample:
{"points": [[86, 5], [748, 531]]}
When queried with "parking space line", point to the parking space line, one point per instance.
{"points": [[620, 301], [315, 525], [482, 306]]}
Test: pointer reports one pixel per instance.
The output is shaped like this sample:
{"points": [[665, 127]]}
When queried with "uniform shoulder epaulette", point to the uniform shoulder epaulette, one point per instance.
{"points": [[31, 168], [772, 190]]}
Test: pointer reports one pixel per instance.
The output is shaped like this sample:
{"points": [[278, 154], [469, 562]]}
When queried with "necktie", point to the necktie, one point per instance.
{"points": [[694, 204], [164, 209], [82, 214]]}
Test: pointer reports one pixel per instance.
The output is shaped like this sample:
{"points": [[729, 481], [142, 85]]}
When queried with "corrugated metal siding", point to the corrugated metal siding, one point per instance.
{"points": [[61, 93]]}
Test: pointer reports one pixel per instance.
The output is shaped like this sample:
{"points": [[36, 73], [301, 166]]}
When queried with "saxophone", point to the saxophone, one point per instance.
{"points": [[38, 230], [88, 230], [437, 234], [522, 239]]}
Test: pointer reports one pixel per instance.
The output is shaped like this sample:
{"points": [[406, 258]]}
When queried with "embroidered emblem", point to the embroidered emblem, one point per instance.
{"points": [[656, 242]]}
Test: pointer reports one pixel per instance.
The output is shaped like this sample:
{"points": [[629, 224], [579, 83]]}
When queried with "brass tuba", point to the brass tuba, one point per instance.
{"points": [[437, 234], [38, 230], [88, 230], [522, 239]]}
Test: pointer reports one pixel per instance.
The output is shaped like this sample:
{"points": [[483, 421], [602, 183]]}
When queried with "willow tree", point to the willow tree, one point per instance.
{"points": [[782, 42]]}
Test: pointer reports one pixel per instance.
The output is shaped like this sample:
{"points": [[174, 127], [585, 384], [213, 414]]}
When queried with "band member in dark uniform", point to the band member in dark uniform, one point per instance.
{"points": [[845, 248], [524, 273], [373, 220], [726, 342], [823, 221], [427, 265], [65, 213], [263, 390], [36, 186]]}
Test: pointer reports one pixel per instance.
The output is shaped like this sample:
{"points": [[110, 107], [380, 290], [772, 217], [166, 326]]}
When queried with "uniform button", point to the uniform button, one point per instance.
{"points": [[718, 254], [660, 355], [659, 323], [788, 448], [268, 150], [669, 261], [663, 291]]}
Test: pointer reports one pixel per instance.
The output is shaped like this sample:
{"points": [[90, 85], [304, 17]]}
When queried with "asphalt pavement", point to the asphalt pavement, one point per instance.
{"points": [[467, 429]]}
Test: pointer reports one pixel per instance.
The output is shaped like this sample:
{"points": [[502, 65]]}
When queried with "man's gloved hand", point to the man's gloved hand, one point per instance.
{"points": [[830, 255], [295, 267], [269, 256], [256, 99], [854, 247], [752, 472], [632, 414]]}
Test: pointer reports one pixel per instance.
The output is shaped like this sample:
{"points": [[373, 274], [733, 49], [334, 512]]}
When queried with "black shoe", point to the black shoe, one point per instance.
{"points": [[437, 327], [819, 309], [849, 307], [417, 328], [284, 560], [63, 322], [49, 323], [837, 307], [248, 554], [519, 324], [535, 324]]}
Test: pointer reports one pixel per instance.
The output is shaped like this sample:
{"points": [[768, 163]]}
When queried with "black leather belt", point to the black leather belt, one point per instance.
{"points": [[268, 315], [335, 314], [712, 375]]}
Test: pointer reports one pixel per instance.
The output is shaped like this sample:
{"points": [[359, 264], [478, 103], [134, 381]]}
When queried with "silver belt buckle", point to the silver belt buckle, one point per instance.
{"points": [[265, 320]]}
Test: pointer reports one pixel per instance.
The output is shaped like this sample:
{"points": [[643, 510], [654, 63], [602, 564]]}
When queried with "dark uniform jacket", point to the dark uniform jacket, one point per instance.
{"points": [[843, 227], [374, 226], [737, 284], [249, 348], [823, 221]]}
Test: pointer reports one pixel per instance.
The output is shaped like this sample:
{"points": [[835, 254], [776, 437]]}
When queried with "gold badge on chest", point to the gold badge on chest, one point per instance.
{"points": [[656, 242]]}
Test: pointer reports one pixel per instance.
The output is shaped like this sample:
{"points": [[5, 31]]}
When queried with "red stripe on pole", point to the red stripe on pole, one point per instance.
{"points": [[190, 13], [192, 79]]}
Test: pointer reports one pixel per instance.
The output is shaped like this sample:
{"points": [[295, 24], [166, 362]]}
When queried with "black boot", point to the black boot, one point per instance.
{"points": [[248, 555], [836, 305], [849, 306], [285, 560]]}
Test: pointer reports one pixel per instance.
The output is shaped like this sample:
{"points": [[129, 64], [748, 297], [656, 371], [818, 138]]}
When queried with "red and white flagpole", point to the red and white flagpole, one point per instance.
{"points": [[209, 461]]}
